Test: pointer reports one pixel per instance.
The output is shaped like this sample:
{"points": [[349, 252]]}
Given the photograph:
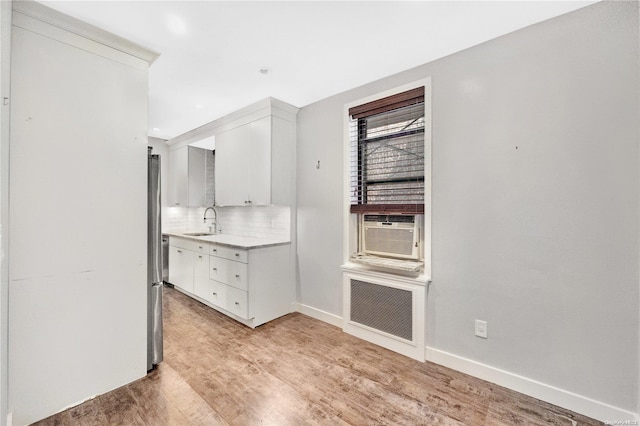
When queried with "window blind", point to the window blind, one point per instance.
{"points": [[387, 154]]}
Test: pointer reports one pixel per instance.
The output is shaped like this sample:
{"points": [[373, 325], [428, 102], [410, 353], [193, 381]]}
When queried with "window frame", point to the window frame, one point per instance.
{"points": [[351, 220], [359, 140]]}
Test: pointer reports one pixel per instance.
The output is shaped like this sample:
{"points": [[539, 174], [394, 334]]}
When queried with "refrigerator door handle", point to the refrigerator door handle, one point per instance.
{"points": [[156, 313], [154, 262]]}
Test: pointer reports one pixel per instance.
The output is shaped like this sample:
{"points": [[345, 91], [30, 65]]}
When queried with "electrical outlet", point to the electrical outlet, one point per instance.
{"points": [[481, 329]]}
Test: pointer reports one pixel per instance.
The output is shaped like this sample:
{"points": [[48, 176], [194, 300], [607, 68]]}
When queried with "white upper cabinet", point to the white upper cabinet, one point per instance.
{"points": [[187, 177], [243, 169], [255, 157], [179, 177], [197, 177]]}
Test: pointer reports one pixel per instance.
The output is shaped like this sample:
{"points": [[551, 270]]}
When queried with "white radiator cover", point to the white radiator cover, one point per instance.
{"points": [[386, 310]]}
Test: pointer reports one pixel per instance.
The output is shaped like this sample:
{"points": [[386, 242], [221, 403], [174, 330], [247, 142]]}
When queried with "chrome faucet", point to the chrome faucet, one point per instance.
{"points": [[214, 228]]}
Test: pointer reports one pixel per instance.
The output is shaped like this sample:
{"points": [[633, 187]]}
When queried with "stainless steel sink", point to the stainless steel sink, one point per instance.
{"points": [[198, 234]]}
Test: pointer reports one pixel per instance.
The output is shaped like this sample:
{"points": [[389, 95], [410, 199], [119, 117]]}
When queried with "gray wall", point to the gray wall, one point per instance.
{"points": [[535, 201]]}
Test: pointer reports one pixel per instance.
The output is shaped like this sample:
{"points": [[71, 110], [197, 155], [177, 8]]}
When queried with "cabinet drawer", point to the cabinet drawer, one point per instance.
{"points": [[218, 269], [217, 294], [237, 275], [229, 272], [184, 243], [237, 302], [201, 247], [238, 255]]}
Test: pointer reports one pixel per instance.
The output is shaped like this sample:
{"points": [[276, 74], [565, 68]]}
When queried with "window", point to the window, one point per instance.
{"points": [[387, 154]]}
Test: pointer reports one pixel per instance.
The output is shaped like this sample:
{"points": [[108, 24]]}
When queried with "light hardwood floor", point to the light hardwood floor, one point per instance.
{"points": [[298, 371]]}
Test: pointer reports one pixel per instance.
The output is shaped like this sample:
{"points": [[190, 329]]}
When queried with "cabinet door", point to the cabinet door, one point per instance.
{"points": [[187, 177], [175, 266], [197, 176], [181, 268], [231, 167], [217, 294], [179, 177], [222, 169], [201, 275], [258, 153], [243, 164]]}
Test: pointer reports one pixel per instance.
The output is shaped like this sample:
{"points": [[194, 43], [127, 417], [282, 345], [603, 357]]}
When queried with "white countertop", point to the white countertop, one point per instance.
{"points": [[237, 241]]}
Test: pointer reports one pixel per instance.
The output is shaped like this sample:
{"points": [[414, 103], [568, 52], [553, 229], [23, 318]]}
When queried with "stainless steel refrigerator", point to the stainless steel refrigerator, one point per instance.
{"points": [[154, 263]]}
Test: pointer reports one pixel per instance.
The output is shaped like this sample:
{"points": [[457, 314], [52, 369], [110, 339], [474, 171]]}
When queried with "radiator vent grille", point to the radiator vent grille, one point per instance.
{"points": [[387, 309]]}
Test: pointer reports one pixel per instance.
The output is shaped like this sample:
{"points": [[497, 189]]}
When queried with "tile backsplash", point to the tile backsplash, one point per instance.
{"points": [[255, 221]]}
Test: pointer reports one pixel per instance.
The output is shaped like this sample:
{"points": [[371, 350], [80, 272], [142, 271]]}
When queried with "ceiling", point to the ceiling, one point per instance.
{"points": [[217, 57]]}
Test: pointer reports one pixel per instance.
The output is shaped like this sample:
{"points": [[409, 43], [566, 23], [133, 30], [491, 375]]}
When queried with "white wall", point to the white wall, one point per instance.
{"points": [[535, 202], [78, 185]]}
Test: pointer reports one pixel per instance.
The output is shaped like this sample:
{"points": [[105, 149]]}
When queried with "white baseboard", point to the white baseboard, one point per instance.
{"points": [[319, 314], [562, 398]]}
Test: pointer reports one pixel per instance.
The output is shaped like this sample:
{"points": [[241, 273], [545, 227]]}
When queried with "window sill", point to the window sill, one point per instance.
{"points": [[420, 278]]}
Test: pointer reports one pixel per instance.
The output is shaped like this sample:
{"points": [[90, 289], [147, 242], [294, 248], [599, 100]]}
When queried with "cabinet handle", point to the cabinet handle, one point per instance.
{"points": [[177, 204], [215, 250], [237, 276], [237, 254], [179, 251], [200, 247], [199, 257], [214, 293], [237, 303], [215, 269]]}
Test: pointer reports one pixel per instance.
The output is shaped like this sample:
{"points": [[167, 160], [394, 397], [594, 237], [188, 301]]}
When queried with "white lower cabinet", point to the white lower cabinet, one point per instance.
{"points": [[217, 294], [189, 265], [237, 274], [218, 269], [252, 286], [229, 269], [201, 275], [237, 302], [181, 268], [229, 272]]}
